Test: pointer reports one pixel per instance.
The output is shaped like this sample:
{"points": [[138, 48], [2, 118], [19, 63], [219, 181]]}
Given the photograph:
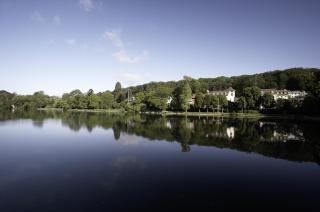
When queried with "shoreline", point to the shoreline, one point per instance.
{"points": [[194, 114], [84, 110], [209, 114]]}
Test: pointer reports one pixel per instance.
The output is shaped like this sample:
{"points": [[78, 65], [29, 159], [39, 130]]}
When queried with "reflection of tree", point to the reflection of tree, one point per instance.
{"points": [[181, 130], [116, 130], [296, 141], [38, 124]]}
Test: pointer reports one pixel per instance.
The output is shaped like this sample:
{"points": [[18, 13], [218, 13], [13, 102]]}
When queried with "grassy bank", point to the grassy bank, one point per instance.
{"points": [[198, 114], [85, 110], [238, 115], [215, 114]]}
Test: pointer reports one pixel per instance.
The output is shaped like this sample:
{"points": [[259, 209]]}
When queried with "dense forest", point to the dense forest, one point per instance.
{"points": [[155, 95]]}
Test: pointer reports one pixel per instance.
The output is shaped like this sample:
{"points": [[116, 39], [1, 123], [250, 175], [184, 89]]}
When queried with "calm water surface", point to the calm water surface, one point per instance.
{"points": [[99, 162]]}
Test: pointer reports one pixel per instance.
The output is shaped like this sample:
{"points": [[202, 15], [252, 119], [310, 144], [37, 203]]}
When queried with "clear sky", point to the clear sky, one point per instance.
{"points": [[60, 45]]}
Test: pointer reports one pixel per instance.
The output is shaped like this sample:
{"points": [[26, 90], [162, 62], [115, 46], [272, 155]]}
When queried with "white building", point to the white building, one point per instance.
{"points": [[229, 93], [297, 94], [284, 94]]}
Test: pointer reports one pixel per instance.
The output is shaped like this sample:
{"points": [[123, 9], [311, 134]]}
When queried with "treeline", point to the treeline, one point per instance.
{"points": [[175, 95], [73, 100], [290, 79]]}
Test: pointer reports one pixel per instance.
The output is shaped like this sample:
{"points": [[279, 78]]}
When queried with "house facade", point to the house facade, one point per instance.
{"points": [[229, 93], [284, 94]]}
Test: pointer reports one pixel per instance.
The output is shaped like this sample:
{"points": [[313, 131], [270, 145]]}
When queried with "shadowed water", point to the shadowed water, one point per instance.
{"points": [[52, 161]]}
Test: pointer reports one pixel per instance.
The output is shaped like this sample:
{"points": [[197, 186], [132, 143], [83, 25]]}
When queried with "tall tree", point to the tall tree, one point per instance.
{"points": [[93, 101], [118, 95], [107, 100], [252, 96], [267, 100], [214, 102], [242, 103], [199, 101], [207, 102], [90, 92], [222, 102], [182, 96], [117, 88]]}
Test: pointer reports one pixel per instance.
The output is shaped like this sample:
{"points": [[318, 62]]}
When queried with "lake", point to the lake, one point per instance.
{"points": [[54, 161]]}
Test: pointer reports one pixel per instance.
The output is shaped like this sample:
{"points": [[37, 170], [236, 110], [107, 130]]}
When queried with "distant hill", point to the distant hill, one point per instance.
{"points": [[290, 79]]}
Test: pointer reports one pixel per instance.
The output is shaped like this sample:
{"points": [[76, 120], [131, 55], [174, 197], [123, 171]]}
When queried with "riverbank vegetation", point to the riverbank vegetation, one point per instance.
{"points": [[175, 95]]}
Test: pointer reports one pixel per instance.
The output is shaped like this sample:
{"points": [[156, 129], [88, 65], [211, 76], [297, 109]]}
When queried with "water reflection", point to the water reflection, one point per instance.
{"points": [[291, 140]]}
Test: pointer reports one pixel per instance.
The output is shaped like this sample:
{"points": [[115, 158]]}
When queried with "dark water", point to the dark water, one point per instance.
{"points": [[95, 162]]}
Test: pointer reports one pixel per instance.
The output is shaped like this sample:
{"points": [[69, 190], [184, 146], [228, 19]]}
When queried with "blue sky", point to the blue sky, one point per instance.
{"points": [[60, 45]]}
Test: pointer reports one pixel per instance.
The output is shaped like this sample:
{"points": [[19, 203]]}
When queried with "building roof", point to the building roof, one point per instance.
{"points": [[225, 90], [230, 89]]}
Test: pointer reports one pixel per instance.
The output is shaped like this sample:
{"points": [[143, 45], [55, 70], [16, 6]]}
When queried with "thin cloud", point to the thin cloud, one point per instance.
{"points": [[114, 37], [130, 79], [123, 57], [70, 42], [56, 20], [37, 17], [87, 5]]}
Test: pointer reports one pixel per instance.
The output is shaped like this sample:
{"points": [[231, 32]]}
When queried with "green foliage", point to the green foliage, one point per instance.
{"points": [[156, 103], [76, 99], [182, 96], [157, 98], [6, 99], [207, 102], [222, 101], [118, 94], [267, 100], [140, 96], [199, 101], [40, 100], [117, 87], [60, 103], [90, 92], [155, 95], [106, 100], [196, 86], [252, 96], [214, 102], [93, 101], [242, 103]]}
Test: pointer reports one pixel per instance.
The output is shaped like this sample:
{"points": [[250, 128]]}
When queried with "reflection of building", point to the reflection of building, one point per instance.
{"points": [[271, 133], [229, 93], [190, 125], [228, 133], [284, 94], [284, 137], [168, 125]]}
